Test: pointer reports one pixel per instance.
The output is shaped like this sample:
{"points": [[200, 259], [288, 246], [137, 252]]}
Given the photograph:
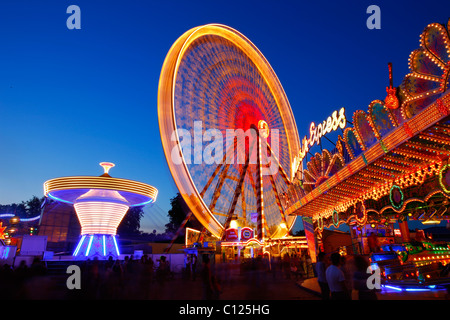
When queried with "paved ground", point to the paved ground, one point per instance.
{"points": [[239, 284], [252, 283], [312, 286], [246, 284]]}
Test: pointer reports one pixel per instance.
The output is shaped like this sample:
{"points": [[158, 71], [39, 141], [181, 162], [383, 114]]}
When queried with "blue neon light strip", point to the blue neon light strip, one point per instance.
{"points": [[416, 289], [79, 245], [89, 245], [30, 219], [5, 252], [104, 246], [429, 288], [394, 288], [142, 204], [58, 199], [115, 244], [10, 215]]}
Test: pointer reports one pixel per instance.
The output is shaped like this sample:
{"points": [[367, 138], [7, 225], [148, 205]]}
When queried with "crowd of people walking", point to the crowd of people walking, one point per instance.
{"points": [[99, 279], [205, 279], [338, 278], [201, 278]]}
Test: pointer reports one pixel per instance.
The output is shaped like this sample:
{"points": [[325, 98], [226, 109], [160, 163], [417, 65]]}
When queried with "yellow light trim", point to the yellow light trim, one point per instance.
{"points": [[88, 182], [239, 243], [431, 221]]}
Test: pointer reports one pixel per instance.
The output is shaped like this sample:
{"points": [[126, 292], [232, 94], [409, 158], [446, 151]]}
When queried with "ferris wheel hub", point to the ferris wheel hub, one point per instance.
{"points": [[263, 128]]}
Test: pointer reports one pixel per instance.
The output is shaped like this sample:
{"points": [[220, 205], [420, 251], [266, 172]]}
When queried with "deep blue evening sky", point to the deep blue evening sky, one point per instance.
{"points": [[70, 99]]}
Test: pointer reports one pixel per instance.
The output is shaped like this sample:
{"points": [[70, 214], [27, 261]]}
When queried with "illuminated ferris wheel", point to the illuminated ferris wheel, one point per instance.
{"points": [[228, 132]]}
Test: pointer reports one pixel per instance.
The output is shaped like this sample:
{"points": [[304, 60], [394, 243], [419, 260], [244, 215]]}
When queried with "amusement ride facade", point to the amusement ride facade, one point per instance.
{"points": [[392, 165], [100, 204]]}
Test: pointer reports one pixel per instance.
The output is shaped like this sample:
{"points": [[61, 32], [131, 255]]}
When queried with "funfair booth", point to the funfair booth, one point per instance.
{"points": [[392, 166]]}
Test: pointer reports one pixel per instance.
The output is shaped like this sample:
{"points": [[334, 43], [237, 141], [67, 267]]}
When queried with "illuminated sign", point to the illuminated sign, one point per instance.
{"points": [[246, 234], [316, 132], [191, 236], [232, 234]]}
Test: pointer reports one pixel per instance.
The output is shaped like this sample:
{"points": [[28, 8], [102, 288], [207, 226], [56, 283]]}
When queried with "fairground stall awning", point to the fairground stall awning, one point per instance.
{"points": [[394, 162]]}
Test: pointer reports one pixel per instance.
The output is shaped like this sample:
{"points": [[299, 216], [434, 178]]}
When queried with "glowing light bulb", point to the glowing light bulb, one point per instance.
{"points": [[107, 166], [263, 128]]}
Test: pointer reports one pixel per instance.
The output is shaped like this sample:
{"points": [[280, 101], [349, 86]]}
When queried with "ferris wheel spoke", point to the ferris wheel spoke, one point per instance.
{"points": [[238, 191], [277, 199], [210, 180], [243, 205], [216, 171], [235, 198], [253, 184], [260, 198], [218, 188], [288, 183], [280, 167]]}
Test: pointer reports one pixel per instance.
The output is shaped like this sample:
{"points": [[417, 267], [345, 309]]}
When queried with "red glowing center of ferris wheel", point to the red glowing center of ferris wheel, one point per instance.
{"points": [[247, 116]]}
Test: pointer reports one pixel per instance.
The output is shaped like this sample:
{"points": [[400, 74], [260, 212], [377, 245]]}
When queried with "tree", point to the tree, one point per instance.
{"points": [[131, 223], [177, 214], [25, 209], [17, 209], [299, 233], [33, 206]]}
